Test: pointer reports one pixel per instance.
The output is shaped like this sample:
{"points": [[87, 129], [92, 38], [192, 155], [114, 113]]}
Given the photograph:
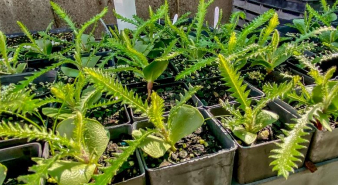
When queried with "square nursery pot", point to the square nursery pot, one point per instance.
{"points": [[213, 168], [17, 159], [143, 86], [324, 144], [252, 163], [49, 76], [115, 133], [254, 92]]}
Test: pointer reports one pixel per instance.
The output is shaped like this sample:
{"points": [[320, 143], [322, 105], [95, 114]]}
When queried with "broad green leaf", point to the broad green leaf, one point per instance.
{"points": [[66, 127], [3, 173], [20, 67], [317, 95], [70, 71], [300, 25], [332, 17], [96, 136], [45, 45], [324, 120], [265, 118], [245, 136], [55, 112], [154, 146], [90, 61], [71, 173], [86, 40], [186, 120], [154, 70]]}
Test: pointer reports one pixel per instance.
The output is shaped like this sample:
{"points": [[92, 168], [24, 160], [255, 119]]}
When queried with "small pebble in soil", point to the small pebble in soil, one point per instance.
{"points": [[188, 148]]}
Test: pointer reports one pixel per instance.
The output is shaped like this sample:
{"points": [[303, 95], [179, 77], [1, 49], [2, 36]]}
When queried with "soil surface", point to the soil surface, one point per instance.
{"points": [[200, 143], [23, 39], [109, 115], [207, 72], [213, 90], [170, 93], [129, 169], [258, 76]]}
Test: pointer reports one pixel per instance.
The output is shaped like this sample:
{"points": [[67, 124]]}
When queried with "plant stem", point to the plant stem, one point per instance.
{"points": [[150, 86]]}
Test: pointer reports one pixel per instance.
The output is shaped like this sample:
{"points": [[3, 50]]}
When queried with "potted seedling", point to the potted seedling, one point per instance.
{"points": [[75, 155], [78, 62], [182, 121], [231, 43], [81, 96], [139, 63], [21, 106], [272, 56], [254, 124], [12, 70], [321, 100]]}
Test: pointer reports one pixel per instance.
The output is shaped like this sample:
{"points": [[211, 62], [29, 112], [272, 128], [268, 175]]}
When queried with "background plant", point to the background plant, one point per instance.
{"points": [[182, 121], [245, 122]]}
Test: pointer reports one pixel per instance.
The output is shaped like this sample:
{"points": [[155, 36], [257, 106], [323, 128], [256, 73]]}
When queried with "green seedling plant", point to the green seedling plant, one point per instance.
{"points": [[40, 48], [236, 44], [192, 43], [76, 143], [319, 105], [9, 64], [149, 37], [139, 64], [23, 105], [79, 62], [273, 55], [79, 96], [247, 120], [183, 119]]}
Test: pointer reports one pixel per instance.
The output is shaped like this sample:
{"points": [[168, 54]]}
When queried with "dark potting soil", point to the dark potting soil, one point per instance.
{"points": [[207, 72], [128, 77], [129, 169], [169, 93], [258, 76], [15, 41], [213, 90], [200, 143], [109, 115]]}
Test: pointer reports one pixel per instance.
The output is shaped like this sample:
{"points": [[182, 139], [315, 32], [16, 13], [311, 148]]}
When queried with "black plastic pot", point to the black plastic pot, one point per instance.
{"points": [[194, 100], [49, 76], [254, 92], [213, 169], [115, 133], [17, 159], [35, 33], [252, 162]]}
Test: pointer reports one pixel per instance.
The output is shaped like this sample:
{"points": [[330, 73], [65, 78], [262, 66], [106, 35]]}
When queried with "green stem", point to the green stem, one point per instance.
{"points": [[150, 86]]}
